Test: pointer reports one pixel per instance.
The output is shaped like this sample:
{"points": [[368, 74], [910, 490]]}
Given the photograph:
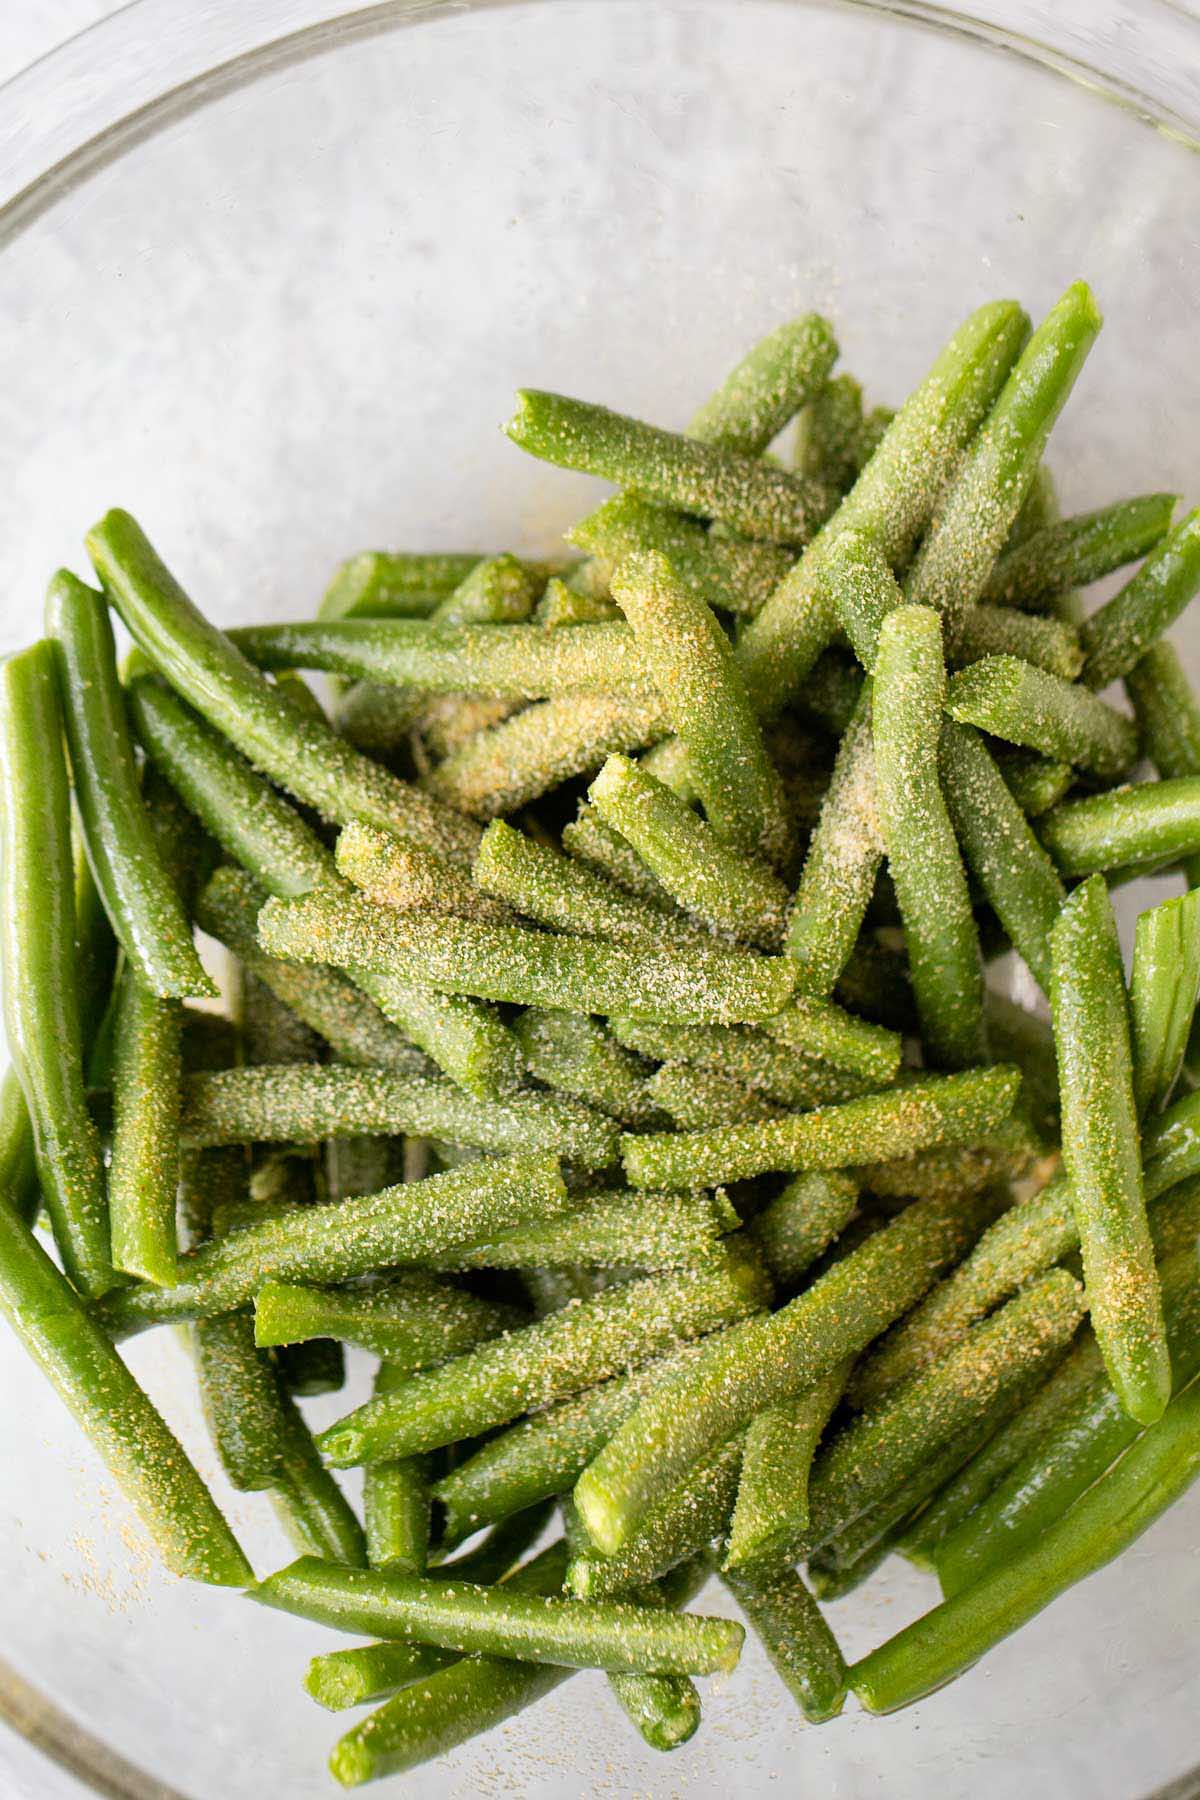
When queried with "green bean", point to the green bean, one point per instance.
{"points": [[1070, 553], [682, 1524], [242, 1404], [589, 840], [308, 1501], [435, 1713], [1112, 1515], [618, 1230], [205, 668], [380, 584], [756, 499], [860, 589], [144, 1173], [379, 720], [829, 432], [730, 892], [562, 605], [140, 1452], [396, 1504], [1026, 706], [1168, 721], [468, 1040], [503, 962], [138, 894], [1147, 823], [782, 373], [744, 1057], [271, 1032], [1116, 635], [502, 1621], [503, 769], [412, 1321], [509, 662], [333, 1243], [41, 1002], [820, 1029], [923, 856], [343, 1678], [936, 1110], [502, 1547], [564, 893], [1022, 1037], [564, 1352], [1049, 644], [803, 1650], [691, 664], [576, 1054], [307, 1102], [1006, 1153], [889, 501], [1089, 1006], [18, 1162], [543, 1455], [1001, 851], [765, 1360], [779, 1449], [799, 1225], [732, 581], [978, 508], [695, 1099], [407, 875], [1035, 782], [1163, 990], [844, 855]]}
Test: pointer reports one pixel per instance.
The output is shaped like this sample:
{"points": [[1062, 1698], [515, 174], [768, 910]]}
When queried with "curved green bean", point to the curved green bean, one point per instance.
{"points": [[412, 1321], [783, 372], [1069, 553], [776, 1462], [803, 1650], [1026, 706], [1117, 634]]}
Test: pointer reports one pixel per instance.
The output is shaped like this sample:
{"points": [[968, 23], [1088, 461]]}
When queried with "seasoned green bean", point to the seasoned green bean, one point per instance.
{"points": [[733, 580], [561, 605], [1049, 644], [697, 1098], [144, 1172], [765, 1360], [944, 1109], [1168, 721], [682, 1524], [308, 1501], [588, 839], [503, 962], [829, 433], [779, 1448], [803, 1650], [1001, 851], [820, 1029], [1026, 706], [859, 587], [745, 1057], [578, 1055], [396, 1504], [783, 372], [799, 1225], [41, 1003], [139, 895], [1024, 1038], [1116, 635], [412, 1321], [617, 1230], [566, 894], [342, 1678], [982, 500], [1163, 990], [756, 499], [406, 875], [560, 1354], [692, 666], [381, 584], [1070, 553], [1035, 782], [18, 1161], [922, 854], [1147, 823]]}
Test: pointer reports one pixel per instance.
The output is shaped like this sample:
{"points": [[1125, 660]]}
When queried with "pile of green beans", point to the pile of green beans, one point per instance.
{"points": [[610, 1048]]}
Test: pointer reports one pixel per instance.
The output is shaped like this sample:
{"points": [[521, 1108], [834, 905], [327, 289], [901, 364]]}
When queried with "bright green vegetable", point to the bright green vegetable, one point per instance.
{"points": [[802, 1648], [799, 1225], [1013, 700], [734, 575], [776, 1460], [311, 1506], [618, 1230], [408, 876], [697, 1098], [396, 1504], [783, 372], [1070, 553], [1168, 721], [682, 1524], [748, 1057], [1150, 822], [1163, 990], [578, 1055], [381, 584], [342, 1678], [1035, 782], [413, 1320], [829, 433], [144, 1172], [1049, 644], [1116, 635]]}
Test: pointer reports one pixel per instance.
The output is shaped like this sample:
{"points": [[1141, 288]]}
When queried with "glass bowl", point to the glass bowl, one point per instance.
{"points": [[269, 275]]}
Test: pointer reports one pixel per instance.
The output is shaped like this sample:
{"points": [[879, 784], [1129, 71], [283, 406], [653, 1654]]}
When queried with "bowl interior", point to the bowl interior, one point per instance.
{"points": [[286, 326]]}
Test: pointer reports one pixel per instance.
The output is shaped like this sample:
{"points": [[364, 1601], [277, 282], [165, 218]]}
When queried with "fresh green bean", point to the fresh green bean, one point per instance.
{"points": [[803, 1650], [1050, 644], [589, 840], [744, 1057], [308, 1501], [1035, 782], [782, 373], [503, 769], [1116, 635], [692, 666], [1147, 823], [729, 891], [18, 1161], [1070, 553], [695, 1098], [1090, 1009], [41, 1002], [342, 1678], [333, 1243], [935, 1110], [396, 1504], [503, 962], [578, 1055], [922, 854], [412, 1321], [889, 500], [242, 1403], [682, 1524], [618, 1230], [144, 1172], [756, 499], [779, 1448], [799, 1225], [829, 433], [765, 1360], [1026, 706], [843, 860], [820, 1029], [733, 580], [304, 1103], [1112, 1515], [860, 589], [1006, 1153], [502, 1547], [138, 893], [502, 1621], [407, 875], [981, 502], [142, 1455], [560, 1354], [562, 605], [378, 584], [1163, 990], [1168, 721], [206, 669], [1001, 851]]}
